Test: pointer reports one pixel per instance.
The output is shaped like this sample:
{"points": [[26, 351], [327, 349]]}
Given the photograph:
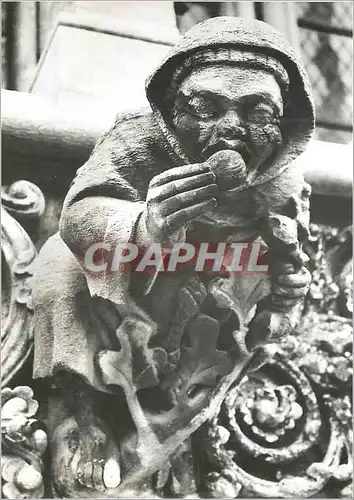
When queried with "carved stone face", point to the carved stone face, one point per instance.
{"points": [[228, 107]]}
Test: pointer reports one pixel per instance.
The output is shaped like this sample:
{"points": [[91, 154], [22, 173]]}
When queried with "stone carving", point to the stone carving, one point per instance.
{"points": [[265, 431], [330, 250], [210, 163], [259, 419], [147, 371], [271, 432], [24, 439], [24, 443], [21, 200], [214, 407]]}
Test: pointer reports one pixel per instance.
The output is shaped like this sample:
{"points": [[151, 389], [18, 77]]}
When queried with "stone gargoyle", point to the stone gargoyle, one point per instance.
{"points": [[135, 362]]}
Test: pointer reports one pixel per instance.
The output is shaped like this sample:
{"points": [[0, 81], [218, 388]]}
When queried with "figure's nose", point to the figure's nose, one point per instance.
{"points": [[231, 125]]}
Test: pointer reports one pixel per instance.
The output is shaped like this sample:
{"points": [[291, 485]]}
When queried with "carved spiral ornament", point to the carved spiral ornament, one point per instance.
{"points": [[286, 430], [24, 441], [19, 201], [276, 423], [23, 199], [17, 336], [282, 432]]}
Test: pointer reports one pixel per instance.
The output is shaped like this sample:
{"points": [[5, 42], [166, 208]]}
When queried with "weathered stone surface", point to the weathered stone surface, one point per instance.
{"points": [[153, 180], [136, 366]]}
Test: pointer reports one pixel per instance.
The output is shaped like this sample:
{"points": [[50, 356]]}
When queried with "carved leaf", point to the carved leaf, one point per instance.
{"points": [[182, 471], [22, 480], [201, 363], [191, 296], [241, 294], [162, 477], [18, 400], [18, 406], [135, 366]]}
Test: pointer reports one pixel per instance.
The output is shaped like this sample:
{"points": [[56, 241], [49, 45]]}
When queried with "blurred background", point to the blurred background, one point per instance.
{"points": [[99, 53]]}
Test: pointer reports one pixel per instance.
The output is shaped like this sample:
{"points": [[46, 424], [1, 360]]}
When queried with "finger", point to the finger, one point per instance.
{"points": [[179, 173], [160, 193], [291, 293], [293, 280], [182, 217], [190, 198]]}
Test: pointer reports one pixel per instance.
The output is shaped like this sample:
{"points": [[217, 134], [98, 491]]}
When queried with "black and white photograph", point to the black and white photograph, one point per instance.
{"points": [[176, 240]]}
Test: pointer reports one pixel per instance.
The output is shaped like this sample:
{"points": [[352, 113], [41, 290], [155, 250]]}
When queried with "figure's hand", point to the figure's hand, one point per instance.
{"points": [[176, 197], [290, 289]]}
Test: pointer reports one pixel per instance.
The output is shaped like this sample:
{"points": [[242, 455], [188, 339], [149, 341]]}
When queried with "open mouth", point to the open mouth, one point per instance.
{"points": [[233, 145]]}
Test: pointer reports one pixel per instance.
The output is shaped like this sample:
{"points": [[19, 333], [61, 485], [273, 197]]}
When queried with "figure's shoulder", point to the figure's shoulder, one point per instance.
{"points": [[135, 130], [279, 190], [139, 114], [140, 120]]}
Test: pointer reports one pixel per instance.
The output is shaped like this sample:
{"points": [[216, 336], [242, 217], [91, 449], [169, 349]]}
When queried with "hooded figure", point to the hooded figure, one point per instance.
{"points": [[76, 311]]}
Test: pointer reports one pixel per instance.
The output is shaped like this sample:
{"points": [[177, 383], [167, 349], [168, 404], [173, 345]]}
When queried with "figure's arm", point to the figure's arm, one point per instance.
{"points": [[284, 208], [98, 188], [291, 279], [103, 206]]}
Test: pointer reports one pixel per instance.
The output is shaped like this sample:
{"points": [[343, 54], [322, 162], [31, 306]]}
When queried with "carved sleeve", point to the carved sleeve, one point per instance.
{"points": [[102, 206]]}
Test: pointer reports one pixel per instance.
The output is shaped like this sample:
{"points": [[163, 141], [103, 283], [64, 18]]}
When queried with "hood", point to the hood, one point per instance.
{"points": [[244, 35]]}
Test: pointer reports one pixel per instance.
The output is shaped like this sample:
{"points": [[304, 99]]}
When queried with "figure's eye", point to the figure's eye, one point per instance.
{"points": [[203, 108], [261, 114]]}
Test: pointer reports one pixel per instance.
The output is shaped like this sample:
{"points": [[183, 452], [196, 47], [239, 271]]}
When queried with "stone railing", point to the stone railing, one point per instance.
{"points": [[285, 430]]}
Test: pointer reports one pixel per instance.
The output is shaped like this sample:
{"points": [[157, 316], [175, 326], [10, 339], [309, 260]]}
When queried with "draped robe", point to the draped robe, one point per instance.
{"points": [[75, 310]]}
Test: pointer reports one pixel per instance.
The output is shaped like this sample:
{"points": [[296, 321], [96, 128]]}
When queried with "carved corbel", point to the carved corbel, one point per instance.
{"points": [[24, 441], [22, 200]]}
